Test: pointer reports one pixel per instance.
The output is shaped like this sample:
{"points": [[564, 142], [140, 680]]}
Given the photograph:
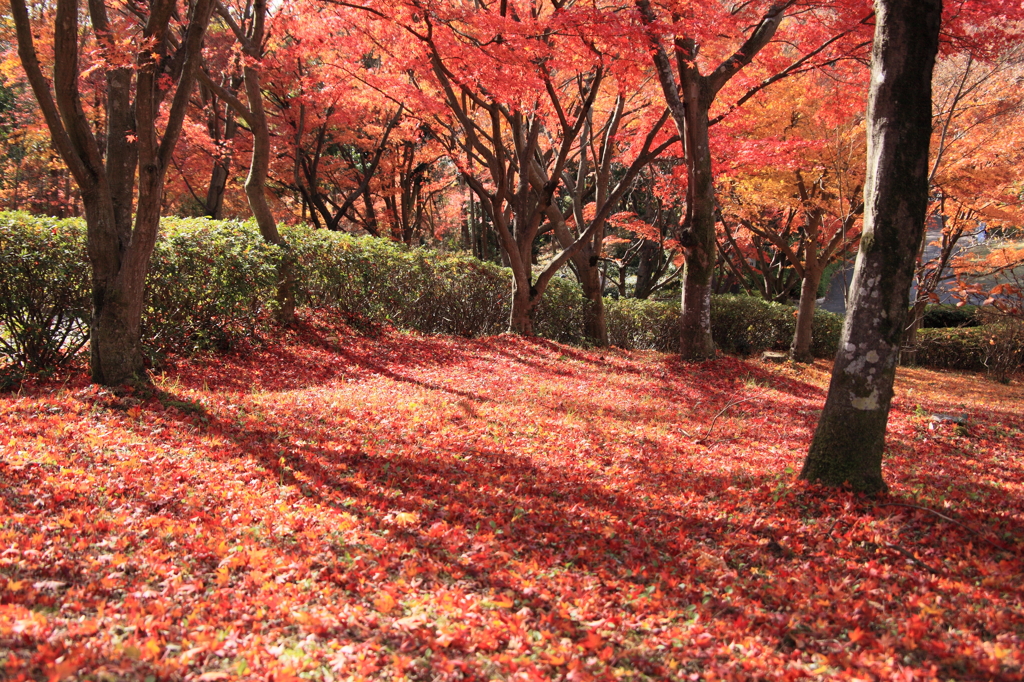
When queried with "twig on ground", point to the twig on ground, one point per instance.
{"points": [[913, 559], [720, 413], [946, 518]]}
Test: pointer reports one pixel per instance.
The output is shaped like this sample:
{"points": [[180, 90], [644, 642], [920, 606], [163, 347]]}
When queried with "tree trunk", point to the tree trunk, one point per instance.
{"points": [[650, 260], [700, 250], [523, 304], [595, 329], [850, 437], [115, 351], [256, 193], [800, 351], [118, 251], [214, 204]]}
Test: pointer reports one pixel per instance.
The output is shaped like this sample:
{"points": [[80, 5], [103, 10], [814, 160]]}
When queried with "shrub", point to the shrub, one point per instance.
{"points": [[739, 324], [938, 316], [1005, 346], [44, 291], [997, 347], [642, 325], [210, 283], [951, 348]]}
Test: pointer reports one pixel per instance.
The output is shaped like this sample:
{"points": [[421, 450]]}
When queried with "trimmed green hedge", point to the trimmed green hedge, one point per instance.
{"points": [[412, 288], [214, 282], [940, 316], [210, 283], [996, 347], [44, 290], [739, 324]]}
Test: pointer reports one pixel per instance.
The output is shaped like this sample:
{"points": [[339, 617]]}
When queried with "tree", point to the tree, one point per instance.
{"points": [[690, 95], [141, 54], [849, 439], [978, 114]]}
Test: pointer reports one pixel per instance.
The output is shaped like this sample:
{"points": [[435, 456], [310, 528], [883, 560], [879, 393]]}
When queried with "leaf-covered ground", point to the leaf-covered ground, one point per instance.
{"points": [[333, 506]]}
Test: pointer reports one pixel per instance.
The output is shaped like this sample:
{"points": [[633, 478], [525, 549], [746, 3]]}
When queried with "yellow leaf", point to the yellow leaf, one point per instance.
{"points": [[385, 603], [406, 518]]}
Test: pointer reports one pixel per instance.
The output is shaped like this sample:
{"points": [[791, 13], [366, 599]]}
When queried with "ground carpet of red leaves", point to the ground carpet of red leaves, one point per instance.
{"points": [[332, 506]]}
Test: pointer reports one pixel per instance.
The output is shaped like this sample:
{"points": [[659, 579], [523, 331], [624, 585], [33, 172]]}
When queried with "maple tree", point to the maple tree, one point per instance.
{"points": [[784, 225], [690, 95], [145, 57], [522, 139], [975, 162]]}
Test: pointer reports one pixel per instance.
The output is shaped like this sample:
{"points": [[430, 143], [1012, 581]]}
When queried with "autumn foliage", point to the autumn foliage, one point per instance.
{"points": [[347, 507]]}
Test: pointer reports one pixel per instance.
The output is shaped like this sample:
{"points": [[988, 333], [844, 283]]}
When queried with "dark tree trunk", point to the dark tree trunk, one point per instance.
{"points": [[650, 258], [849, 439], [221, 170], [523, 304], [700, 250], [594, 328]]}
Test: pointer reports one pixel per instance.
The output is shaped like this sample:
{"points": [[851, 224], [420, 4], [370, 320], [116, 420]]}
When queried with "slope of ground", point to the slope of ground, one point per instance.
{"points": [[334, 507]]}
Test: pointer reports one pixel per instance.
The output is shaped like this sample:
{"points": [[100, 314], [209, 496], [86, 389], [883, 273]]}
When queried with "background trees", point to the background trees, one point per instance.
{"points": [[538, 135]]}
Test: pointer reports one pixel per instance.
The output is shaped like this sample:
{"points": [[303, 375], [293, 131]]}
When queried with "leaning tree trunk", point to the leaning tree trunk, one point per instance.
{"points": [[850, 437], [256, 193], [800, 351]]}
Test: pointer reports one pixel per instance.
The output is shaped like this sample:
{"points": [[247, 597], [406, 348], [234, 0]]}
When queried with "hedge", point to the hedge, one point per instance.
{"points": [[940, 316], [739, 324], [213, 283], [997, 347], [44, 291]]}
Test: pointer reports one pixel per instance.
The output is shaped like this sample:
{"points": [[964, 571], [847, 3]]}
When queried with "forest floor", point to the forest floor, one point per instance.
{"points": [[339, 506]]}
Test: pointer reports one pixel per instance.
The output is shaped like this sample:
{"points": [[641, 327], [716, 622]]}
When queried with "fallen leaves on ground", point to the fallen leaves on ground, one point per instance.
{"points": [[334, 506]]}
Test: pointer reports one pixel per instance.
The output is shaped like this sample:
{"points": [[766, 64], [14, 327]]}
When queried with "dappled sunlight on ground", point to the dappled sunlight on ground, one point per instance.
{"points": [[351, 507]]}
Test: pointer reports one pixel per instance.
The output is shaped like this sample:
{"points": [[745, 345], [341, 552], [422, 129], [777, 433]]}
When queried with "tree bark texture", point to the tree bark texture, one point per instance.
{"points": [[850, 437]]}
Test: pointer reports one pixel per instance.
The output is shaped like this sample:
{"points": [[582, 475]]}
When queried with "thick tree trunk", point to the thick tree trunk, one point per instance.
{"points": [[695, 322], [115, 351], [849, 439], [118, 252], [523, 304], [700, 251]]}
